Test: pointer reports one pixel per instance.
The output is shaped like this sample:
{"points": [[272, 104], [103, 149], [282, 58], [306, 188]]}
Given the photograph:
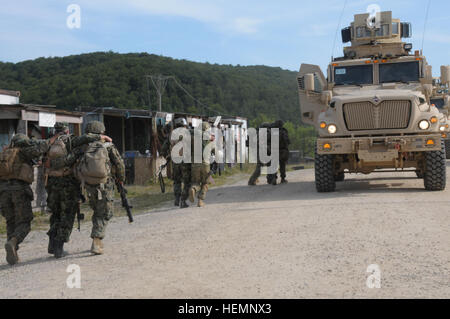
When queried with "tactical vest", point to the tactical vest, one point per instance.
{"points": [[12, 166], [94, 167], [57, 150]]}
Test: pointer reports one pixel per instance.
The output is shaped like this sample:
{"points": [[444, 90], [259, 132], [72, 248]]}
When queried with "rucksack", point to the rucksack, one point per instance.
{"points": [[57, 150], [7, 159], [12, 166], [94, 166]]}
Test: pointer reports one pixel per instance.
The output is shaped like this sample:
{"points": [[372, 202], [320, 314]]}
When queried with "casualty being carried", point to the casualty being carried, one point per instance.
{"points": [[373, 111]]}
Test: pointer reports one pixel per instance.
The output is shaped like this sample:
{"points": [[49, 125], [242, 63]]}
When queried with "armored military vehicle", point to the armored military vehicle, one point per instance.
{"points": [[373, 110], [441, 99]]}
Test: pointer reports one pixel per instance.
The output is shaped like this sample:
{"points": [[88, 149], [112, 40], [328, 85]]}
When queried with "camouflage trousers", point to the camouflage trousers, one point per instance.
{"points": [[63, 200], [257, 173], [15, 205], [101, 199], [199, 179], [181, 180]]}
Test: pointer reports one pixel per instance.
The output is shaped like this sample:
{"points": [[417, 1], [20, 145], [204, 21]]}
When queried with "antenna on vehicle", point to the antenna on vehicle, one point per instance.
{"points": [[425, 25], [337, 30]]}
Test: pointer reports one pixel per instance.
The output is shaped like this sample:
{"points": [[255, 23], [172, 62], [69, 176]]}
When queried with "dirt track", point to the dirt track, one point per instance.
{"points": [[266, 241]]}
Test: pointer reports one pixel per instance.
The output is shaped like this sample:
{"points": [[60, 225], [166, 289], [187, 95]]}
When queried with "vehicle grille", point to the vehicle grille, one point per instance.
{"points": [[368, 116]]}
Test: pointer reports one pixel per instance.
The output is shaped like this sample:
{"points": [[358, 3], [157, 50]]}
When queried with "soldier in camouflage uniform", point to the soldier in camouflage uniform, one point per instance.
{"points": [[257, 172], [283, 148], [62, 187], [16, 194], [200, 172], [181, 172], [101, 196]]}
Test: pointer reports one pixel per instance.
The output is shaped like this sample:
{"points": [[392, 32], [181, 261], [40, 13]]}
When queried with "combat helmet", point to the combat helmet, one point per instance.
{"points": [[205, 126], [61, 127], [95, 127], [20, 140], [278, 124], [181, 121]]}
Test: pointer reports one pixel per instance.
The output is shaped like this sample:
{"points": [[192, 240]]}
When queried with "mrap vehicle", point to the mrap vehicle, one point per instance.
{"points": [[441, 99], [373, 111]]}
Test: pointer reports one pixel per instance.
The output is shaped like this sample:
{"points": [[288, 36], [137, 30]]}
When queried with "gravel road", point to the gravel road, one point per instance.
{"points": [[265, 241]]}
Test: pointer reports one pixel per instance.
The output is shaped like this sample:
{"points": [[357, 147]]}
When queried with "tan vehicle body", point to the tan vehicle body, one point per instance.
{"points": [[371, 126], [441, 99]]}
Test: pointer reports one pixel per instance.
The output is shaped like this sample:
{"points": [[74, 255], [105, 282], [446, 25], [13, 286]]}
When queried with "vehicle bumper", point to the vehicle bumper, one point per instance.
{"points": [[379, 148]]}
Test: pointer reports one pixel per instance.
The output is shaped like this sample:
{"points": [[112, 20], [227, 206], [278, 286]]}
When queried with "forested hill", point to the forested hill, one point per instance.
{"points": [[105, 79]]}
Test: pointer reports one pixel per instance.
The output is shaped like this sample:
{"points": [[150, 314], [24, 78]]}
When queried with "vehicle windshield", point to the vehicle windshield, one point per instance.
{"points": [[353, 75], [399, 72], [439, 103]]}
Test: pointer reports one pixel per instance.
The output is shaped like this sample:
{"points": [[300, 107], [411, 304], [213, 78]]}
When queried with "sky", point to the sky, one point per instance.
{"points": [[281, 33]]}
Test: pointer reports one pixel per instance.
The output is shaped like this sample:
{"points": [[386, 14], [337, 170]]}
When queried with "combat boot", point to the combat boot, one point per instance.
{"points": [[284, 181], [59, 248], [11, 251], [51, 245], [183, 204], [192, 194], [97, 246], [177, 201], [201, 203]]}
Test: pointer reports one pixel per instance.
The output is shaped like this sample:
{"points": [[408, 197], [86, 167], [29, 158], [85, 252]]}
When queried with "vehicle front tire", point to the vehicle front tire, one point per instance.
{"points": [[447, 149], [435, 170], [324, 173]]}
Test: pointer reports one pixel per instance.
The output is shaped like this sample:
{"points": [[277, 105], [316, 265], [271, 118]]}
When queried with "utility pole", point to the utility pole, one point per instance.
{"points": [[159, 82]]}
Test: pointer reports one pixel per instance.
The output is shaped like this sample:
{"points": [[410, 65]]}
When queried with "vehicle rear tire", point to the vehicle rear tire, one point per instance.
{"points": [[435, 170], [339, 177], [447, 149], [324, 173]]}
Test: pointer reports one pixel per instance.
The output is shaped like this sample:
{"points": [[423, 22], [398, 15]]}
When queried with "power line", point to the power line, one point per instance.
{"points": [[337, 29], [425, 24]]}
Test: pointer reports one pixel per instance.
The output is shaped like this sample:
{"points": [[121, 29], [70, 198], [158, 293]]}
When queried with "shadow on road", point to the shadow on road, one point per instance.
{"points": [[48, 258]]}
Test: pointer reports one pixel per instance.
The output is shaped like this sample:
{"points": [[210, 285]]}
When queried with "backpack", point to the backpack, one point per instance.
{"points": [[7, 159], [57, 150], [12, 166], [94, 166]]}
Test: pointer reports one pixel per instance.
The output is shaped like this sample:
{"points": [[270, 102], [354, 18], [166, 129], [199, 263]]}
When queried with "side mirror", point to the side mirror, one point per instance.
{"points": [[309, 82]]}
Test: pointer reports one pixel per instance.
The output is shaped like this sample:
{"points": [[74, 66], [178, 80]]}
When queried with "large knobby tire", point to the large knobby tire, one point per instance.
{"points": [[447, 149], [435, 170], [324, 173]]}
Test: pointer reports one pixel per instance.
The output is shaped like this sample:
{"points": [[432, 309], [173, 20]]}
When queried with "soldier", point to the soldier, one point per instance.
{"points": [[100, 168], [283, 148], [200, 172], [257, 172], [62, 187], [181, 172], [16, 176]]}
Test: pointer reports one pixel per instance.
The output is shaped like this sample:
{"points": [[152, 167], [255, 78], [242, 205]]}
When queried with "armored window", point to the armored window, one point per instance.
{"points": [[362, 32], [399, 72], [395, 28], [383, 31], [439, 103], [353, 75]]}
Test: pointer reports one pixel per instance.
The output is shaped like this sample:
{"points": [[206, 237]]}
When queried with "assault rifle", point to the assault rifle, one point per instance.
{"points": [[123, 195], [80, 216]]}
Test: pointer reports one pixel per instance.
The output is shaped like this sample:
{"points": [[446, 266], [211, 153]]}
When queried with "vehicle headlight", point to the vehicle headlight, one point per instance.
{"points": [[424, 125], [442, 128], [332, 129]]}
